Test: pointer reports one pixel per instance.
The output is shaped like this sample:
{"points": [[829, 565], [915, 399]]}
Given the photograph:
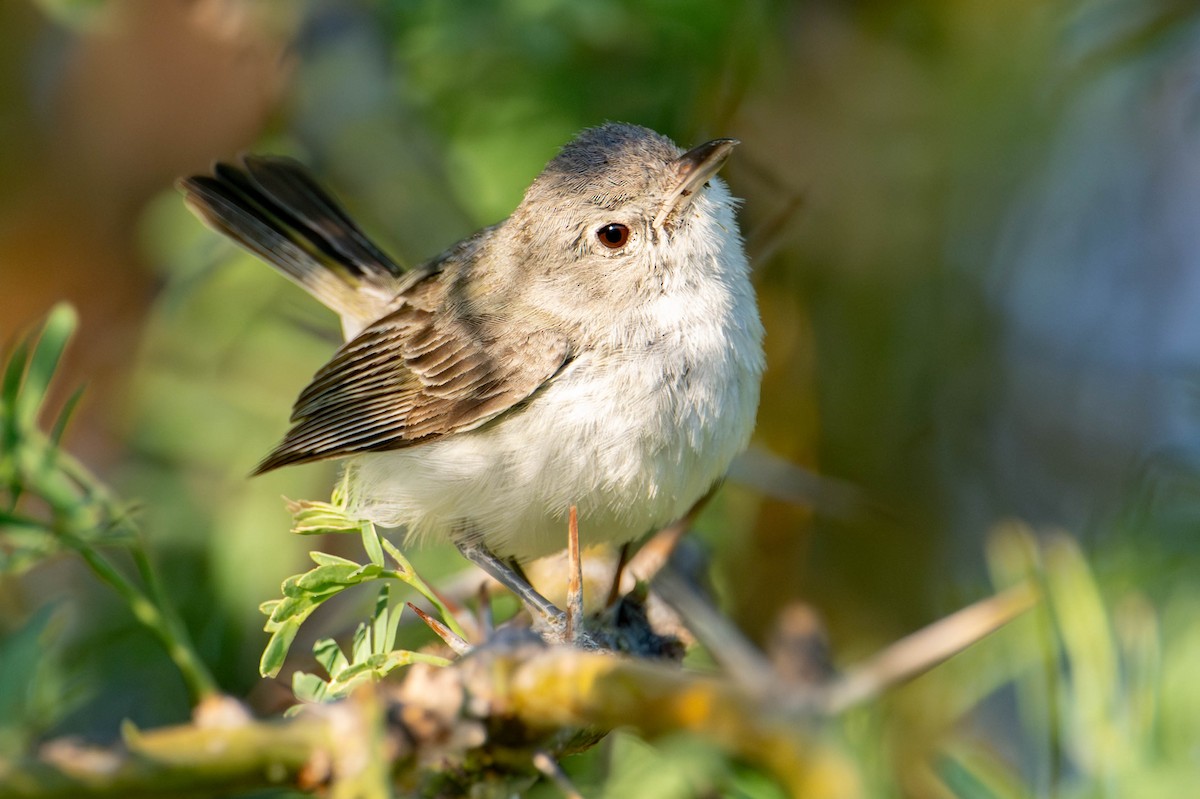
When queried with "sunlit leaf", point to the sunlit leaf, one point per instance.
{"points": [[385, 623], [319, 518], [43, 362], [325, 559], [370, 540], [64, 417], [328, 579], [360, 645], [309, 687], [277, 648], [329, 655]]}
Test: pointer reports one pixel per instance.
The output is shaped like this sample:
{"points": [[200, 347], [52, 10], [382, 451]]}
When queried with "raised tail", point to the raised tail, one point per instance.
{"points": [[273, 207]]}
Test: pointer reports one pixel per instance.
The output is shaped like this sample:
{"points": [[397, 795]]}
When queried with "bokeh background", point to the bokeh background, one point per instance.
{"points": [[976, 236]]}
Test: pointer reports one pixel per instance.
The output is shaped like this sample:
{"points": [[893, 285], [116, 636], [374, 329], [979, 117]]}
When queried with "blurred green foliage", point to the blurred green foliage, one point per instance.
{"points": [[904, 165]]}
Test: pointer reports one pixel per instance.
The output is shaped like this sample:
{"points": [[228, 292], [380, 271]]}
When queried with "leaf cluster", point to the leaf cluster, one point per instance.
{"points": [[48, 501], [372, 653]]}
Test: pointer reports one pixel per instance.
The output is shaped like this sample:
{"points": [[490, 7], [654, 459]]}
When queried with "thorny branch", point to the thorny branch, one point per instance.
{"points": [[488, 719]]}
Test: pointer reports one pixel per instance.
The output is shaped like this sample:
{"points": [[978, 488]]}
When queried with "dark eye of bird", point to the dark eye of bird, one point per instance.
{"points": [[613, 235]]}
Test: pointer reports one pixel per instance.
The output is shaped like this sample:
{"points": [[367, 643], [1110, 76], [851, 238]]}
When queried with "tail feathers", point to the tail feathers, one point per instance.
{"points": [[272, 206]]}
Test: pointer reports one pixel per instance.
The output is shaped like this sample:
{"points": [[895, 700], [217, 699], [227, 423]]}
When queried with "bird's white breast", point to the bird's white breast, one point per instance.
{"points": [[633, 431]]}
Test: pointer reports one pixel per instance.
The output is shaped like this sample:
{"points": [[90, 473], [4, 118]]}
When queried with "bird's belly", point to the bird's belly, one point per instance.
{"points": [[632, 442]]}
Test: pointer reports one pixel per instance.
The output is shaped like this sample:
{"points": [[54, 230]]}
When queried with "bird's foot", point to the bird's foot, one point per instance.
{"points": [[546, 615]]}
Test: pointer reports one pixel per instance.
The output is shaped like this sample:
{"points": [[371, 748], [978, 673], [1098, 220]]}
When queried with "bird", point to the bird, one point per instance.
{"points": [[600, 348]]}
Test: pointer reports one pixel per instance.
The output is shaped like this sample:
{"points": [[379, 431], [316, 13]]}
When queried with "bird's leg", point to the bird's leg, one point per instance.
{"points": [[574, 579], [539, 607]]}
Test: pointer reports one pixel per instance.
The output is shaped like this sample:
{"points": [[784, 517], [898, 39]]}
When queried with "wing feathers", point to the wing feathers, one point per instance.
{"points": [[424, 370], [413, 376]]}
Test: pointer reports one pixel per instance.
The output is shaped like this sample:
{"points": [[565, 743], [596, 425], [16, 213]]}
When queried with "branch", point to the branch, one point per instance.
{"points": [[485, 719]]}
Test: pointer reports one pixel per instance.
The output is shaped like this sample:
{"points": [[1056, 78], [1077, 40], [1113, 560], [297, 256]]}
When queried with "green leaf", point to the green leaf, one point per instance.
{"points": [[404, 657], [10, 434], [1090, 650], [289, 588], [398, 556], [309, 687], [385, 623], [10, 387], [24, 543], [367, 572], [9, 519], [361, 646], [290, 607], [349, 678], [302, 594], [328, 579], [318, 518], [277, 648], [370, 540], [43, 362], [325, 559], [329, 655], [64, 417]]}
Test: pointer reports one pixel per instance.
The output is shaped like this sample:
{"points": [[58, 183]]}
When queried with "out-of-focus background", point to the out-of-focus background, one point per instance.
{"points": [[976, 235]]}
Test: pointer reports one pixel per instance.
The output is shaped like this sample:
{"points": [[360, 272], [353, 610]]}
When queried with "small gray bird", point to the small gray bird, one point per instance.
{"points": [[599, 348]]}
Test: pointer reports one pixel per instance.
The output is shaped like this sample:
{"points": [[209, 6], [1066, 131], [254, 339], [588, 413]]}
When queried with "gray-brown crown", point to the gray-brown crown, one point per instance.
{"points": [[608, 165]]}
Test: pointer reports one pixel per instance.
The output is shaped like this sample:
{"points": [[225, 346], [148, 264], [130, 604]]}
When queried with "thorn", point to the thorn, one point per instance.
{"points": [[487, 622], [575, 578], [737, 656], [614, 590], [646, 561], [550, 769], [798, 647], [452, 639], [652, 555]]}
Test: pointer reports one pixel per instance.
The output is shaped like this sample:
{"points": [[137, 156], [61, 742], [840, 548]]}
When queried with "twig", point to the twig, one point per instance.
{"points": [[545, 763], [738, 657], [150, 613], [614, 588], [926, 648], [487, 621]]}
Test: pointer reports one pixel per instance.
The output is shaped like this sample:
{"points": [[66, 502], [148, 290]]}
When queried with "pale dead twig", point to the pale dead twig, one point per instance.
{"points": [[785, 481], [544, 762], [741, 661], [487, 621], [926, 648]]}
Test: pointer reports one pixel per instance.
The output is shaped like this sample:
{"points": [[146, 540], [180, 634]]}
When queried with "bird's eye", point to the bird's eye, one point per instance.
{"points": [[613, 235]]}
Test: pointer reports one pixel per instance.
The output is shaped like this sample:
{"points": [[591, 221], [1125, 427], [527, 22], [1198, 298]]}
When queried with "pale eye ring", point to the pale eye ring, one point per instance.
{"points": [[613, 235]]}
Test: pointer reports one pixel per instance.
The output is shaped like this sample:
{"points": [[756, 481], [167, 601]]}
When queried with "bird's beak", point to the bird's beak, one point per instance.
{"points": [[693, 169]]}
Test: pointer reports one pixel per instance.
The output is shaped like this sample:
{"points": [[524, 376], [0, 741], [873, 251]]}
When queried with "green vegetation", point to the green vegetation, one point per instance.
{"points": [[969, 223]]}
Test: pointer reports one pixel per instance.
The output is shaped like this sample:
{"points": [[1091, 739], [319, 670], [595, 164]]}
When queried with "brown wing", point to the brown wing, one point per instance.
{"points": [[415, 375]]}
